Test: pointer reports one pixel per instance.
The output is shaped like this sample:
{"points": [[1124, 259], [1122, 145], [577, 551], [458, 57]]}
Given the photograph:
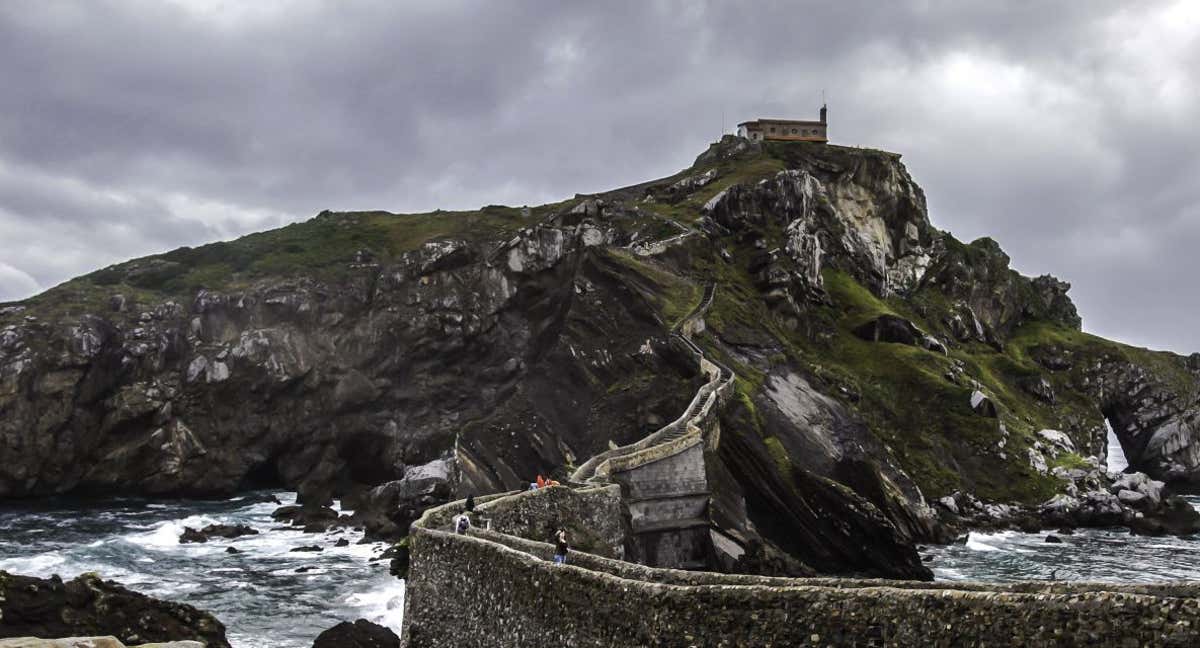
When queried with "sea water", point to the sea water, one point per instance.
{"points": [[1104, 555], [265, 603], [258, 593]]}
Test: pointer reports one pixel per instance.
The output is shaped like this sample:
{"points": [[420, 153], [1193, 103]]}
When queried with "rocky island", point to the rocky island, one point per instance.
{"points": [[853, 382]]}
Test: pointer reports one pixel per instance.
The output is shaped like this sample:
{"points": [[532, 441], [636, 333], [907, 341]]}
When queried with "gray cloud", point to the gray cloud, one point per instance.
{"points": [[1063, 130]]}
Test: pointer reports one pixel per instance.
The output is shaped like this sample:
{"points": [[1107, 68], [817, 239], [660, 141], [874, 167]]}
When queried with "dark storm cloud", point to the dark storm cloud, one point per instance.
{"points": [[1063, 130]]}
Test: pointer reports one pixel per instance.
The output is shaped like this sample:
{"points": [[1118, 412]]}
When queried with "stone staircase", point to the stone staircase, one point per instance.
{"points": [[663, 477]]}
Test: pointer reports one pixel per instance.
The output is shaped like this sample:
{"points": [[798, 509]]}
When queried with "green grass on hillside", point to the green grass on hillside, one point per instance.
{"points": [[322, 247]]}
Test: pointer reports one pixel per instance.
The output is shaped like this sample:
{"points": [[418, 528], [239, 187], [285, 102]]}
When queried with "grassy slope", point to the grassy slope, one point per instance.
{"points": [[321, 248]]}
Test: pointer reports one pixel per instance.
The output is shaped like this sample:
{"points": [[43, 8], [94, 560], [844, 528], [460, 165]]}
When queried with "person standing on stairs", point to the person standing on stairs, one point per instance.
{"points": [[560, 547], [462, 522]]}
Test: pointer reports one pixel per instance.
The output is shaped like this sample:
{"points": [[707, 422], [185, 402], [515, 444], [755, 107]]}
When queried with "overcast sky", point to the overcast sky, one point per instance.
{"points": [[1067, 131]]}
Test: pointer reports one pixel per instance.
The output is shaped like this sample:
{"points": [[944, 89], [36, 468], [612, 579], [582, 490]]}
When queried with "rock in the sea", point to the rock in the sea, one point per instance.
{"points": [[1175, 517], [89, 606], [310, 548], [1053, 539], [215, 531], [360, 634], [313, 518]]}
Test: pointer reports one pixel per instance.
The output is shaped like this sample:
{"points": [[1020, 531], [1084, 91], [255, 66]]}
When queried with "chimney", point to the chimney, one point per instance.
{"points": [[823, 111]]}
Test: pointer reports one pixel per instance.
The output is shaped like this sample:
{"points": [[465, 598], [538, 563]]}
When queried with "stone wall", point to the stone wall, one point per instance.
{"points": [[488, 589], [591, 516], [667, 498]]}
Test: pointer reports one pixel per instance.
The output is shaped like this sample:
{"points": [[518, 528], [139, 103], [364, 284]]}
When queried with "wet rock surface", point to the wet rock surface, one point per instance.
{"points": [[360, 634], [1093, 499], [89, 606], [215, 531]]}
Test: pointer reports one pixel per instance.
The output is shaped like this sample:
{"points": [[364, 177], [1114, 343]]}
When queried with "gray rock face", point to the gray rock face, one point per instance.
{"points": [[331, 387], [1155, 416], [888, 258]]}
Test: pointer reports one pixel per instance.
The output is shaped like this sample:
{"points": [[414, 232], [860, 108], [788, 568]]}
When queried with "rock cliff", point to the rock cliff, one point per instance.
{"points": [[400, 359]]}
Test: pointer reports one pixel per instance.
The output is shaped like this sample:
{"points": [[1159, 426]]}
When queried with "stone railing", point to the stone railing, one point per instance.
{"points": [[498, 589]]}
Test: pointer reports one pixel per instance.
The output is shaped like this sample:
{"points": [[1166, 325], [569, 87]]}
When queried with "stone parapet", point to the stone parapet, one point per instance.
{"points": [[479, 590]]}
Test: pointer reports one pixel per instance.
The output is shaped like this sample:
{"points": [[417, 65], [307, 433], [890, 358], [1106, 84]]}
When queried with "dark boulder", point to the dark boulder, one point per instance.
{"points": [[386, 511], [889, 328], [215, 531], [1053, 539], [89, 606], [360, 634], [313, 518], [1175, 517], [310, 548]]}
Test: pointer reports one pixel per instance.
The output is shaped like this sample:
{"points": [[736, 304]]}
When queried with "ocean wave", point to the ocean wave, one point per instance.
{"points": [[33, 565], [165, 535], [986, 541], [383, 604]]}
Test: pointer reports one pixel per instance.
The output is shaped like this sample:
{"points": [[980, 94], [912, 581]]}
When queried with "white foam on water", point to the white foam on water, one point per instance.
{"points": [[165, 535], [384, 604], [33, 565], [56, 562], [986, 541], [948, 573]]}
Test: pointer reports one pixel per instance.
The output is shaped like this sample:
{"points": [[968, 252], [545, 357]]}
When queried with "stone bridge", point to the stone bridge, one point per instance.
{"points": [[648, 501]]}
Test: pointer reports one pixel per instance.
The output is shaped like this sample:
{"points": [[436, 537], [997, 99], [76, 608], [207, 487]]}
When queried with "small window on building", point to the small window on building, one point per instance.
{"points": [[794, 131], [772, 130]]}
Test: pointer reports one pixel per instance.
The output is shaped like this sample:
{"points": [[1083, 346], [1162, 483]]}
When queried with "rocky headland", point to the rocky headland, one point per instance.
{"points": [[895, 385]]}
